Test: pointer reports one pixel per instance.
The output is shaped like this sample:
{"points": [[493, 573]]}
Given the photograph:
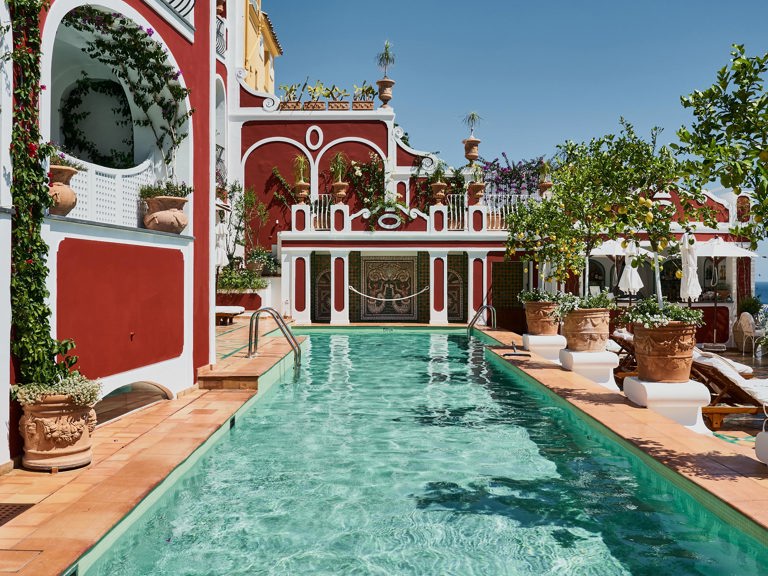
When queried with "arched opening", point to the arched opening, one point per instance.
{"points": [[221, 133], [597, 277], [129, 398]]}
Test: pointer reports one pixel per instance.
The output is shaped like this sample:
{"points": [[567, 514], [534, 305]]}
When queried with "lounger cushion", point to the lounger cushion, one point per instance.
{"points": [[756, 387], [229, 309], [738, 366]]}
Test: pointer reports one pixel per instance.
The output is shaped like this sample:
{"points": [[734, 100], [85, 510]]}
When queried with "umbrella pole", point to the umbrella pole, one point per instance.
{"points": [[715, 280]]}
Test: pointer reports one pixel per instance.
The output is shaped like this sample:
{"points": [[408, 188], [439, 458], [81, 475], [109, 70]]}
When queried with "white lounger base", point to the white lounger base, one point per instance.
{"points": [[761, 447], [548, 347], [597, 366], [680, 401]]}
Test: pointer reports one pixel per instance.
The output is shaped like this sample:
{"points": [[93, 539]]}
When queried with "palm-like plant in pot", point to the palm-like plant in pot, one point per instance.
{"points": [[665, 335], [437, 184], [339, 167], [384, 60], [299, 172], [471, 144]]}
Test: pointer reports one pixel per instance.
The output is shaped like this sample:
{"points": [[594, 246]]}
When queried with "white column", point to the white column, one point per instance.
{"points": [[340, 316], [5, 328], [302, 316], [438, 316]]}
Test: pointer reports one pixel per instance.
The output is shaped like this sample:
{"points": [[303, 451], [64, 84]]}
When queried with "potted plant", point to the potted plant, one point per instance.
{"points": [[299, 171], [438, 186], [62, 169], [165, 206], [363, 96], [338, 171], [337, 96], [315, 93], [476, 187], [546, 182], [291, 98], [58, 421], [384, 60], [471, 144], [585, 320], [539, 309], [665, 335]]}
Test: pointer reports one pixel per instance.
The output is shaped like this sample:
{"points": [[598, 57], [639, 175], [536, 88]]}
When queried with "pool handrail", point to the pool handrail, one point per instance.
{"points": [[476, 317], [253, 335]]}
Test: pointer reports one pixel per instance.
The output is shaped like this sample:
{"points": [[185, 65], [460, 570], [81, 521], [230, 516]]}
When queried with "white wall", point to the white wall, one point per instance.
{"points": [[5, 329]]}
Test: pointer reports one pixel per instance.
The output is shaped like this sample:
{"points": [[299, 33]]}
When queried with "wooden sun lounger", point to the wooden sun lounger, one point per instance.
{"points": [[627, 361], [727, 396]]}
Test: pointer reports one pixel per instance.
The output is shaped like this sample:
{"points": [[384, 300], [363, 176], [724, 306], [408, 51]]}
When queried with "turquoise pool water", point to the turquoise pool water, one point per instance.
{"points": [[409, 453]]}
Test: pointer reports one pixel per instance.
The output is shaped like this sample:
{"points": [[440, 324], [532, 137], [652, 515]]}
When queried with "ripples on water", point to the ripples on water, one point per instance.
{"points": [[405, 453]]}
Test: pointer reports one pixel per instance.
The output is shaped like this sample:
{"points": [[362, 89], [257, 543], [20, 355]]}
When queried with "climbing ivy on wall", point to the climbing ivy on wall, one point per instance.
{"points": [[73, 114], [141, 65], [32, 345]]}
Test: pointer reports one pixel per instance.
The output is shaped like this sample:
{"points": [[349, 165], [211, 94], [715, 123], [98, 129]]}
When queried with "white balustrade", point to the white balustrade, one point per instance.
{"points": [[457, 209], [109, 195], [321, 212], [500, 205]]}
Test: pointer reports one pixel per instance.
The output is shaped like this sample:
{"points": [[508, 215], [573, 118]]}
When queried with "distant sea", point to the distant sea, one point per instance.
{"points": [[761, 291]]}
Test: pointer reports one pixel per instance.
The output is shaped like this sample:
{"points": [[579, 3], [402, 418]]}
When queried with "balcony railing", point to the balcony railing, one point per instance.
{"points": [[184, 8], [221, 36], [111, 196], [500, 205], [321, 212], [457, 209]]}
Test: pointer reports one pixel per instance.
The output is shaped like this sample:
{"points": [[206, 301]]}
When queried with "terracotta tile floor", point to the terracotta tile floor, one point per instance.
{"points": [[73, 509]]}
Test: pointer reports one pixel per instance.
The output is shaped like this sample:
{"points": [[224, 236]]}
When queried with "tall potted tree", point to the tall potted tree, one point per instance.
{"points": [[471, 144], [384, 60], [338, 172], [301, 187]]}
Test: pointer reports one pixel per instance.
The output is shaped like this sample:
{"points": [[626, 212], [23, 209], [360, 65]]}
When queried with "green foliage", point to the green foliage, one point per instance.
{"points": [[300, 167], [567, 303], [244, 222], [367, 180], [729, 136], [750, 304], [239, 279], [470, 121], [537, 295], [166, 188], [339, 166], [72, 116], [652, 314], [366, 92], [81, 390], [337, 94], [317, 91], [31, 342], [285, 193], [141, 64], [291, 92], [270, 264], [58, 158], [385, 58]]}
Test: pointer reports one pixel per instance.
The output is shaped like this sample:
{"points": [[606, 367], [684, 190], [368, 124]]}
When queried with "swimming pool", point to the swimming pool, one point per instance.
{"points": [[407, 452]]}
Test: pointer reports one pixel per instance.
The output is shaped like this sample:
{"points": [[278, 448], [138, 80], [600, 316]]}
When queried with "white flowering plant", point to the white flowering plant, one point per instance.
{"points": [[567, 303], [81, 390], [651, 314], [537, 295]]}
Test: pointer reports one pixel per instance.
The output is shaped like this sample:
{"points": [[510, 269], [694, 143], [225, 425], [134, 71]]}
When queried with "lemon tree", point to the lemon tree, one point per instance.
{"points": [[728, 141]]}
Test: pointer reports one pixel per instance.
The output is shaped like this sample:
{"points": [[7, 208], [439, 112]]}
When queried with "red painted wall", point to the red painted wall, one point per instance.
{"points": [[338, 284], [300, 285], [122, 304], [477, 283], [439, 284]]}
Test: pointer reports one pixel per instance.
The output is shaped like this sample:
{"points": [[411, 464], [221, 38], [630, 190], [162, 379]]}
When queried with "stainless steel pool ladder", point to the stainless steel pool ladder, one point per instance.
{"points": [[253, 334], [480, 310]]}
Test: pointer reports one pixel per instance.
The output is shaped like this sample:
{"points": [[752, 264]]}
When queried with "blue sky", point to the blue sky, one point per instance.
{"points": [[537, 73]]}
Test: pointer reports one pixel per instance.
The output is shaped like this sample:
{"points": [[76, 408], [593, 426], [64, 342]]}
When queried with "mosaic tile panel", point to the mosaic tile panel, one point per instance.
{"points": [[321, 287], [507, 278], [355, 278], [389, 277], [423, 280], [458, 267]]}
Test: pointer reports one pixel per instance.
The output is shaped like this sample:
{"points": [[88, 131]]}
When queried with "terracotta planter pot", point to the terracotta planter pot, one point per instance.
{"points": [[57, 434], [338, 105], [471, 151], [544, 186], [64, 198], [362, 104], [665, 354], [340, 191], [540, 323], [438, 191], [290, 105], [385, 91], [166, 214], [586, 330], [302, 191], [314, 105], [476, 189], [255, 266]]}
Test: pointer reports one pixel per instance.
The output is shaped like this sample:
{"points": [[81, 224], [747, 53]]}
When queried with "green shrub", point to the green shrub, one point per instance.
{"points": [[537, 295], [750, 304], [239, 279], [648, 313], [167, 188]]}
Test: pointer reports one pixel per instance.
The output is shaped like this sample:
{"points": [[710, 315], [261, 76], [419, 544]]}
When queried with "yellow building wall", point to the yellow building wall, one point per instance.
{"points": [[261, 48]]}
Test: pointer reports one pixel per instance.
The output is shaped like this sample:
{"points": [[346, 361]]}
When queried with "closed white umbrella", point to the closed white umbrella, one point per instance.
{"points": [[616, 248], [690, 289], [221, 235], [630, 281]]}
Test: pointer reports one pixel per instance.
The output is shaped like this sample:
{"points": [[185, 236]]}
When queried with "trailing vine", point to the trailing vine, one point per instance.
{"points": [[284, 192], [368, 180], [32, 345], [141, 64], [72, 115]]}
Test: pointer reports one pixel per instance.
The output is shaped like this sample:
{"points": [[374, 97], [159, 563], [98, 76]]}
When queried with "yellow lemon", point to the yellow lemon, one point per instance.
{"points": [[758, 218], [624, 244], [622, 209], [649, 217], [679, 274], [663, 244]]}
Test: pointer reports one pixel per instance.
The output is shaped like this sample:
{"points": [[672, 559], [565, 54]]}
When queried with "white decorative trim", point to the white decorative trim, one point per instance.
{"points": [[382, 221], [314, 129]]}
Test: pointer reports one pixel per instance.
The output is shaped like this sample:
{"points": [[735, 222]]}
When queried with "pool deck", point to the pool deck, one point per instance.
{"points": [[72, 510]]}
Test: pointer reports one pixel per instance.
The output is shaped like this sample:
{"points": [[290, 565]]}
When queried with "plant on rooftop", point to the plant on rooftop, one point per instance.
{"points": [[165, 188], [141, 65], [385, 59], [728, 141], [470, 121]]}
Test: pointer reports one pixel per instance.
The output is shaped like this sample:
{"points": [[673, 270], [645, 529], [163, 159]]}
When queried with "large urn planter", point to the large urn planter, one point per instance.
{"points": [[471, 150], [166, 214], [57, 434], [476, 190], [385, 91], [339, 191], [665, 353], [63, 196], [539, 317], [586, 329], [302, 192], [438, 191]]}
